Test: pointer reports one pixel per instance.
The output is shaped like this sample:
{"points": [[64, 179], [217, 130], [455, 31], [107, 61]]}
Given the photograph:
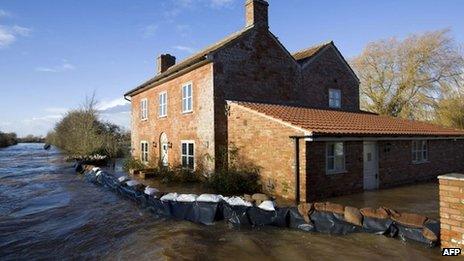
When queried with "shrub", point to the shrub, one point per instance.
{"points": [[179, 175], [7, 139], [234, 182], [132, 163]]}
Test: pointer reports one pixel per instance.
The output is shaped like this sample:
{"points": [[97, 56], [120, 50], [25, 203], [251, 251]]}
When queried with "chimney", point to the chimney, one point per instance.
{"points": [[256, 13], [164, 62]]}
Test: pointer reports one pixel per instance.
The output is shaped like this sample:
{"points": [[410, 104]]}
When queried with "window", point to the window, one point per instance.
{"points": [[419, 151], [144, 151], [188, 154], [335, 157], [187, 98], [335, 98], [144, 109], [163, 104]]}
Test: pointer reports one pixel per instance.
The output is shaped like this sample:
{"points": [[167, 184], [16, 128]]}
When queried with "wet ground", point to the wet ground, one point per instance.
{"points": [[49, 212]]}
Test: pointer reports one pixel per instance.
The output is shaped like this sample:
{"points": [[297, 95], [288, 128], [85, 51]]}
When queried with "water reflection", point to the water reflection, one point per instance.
{"points": [[48, 212]]}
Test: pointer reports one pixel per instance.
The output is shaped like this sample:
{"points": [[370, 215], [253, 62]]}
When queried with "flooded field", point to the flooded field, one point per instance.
{"points": [[49, 212]]}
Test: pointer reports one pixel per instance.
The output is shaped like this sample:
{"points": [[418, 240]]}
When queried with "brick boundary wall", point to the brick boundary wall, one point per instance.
{"points": [[451, 192]]}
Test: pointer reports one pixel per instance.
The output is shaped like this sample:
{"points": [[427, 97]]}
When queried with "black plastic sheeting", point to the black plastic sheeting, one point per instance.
{"points": [[379, 226], [245, 216], [332, 223]]}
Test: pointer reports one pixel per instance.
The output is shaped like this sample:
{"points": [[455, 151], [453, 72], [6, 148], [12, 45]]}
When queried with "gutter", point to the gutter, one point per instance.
{"points": [[348, 138]]}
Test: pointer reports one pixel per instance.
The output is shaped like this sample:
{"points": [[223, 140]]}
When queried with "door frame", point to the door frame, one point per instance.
{"points": [[376, 158], [164, 142]]}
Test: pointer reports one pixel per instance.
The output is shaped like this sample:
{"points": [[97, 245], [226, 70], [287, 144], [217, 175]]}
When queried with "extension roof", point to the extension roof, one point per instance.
{"points": [[335, 123]]}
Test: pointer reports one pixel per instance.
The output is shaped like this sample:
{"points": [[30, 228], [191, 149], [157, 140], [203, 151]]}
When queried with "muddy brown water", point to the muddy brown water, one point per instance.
{"points": [[49, 212]]}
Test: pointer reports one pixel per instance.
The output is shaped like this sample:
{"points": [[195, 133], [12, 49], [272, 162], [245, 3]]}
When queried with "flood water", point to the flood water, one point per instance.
{"points": [[49, 212]]}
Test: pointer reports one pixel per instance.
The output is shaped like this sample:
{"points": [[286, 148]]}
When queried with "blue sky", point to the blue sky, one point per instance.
{"points": [[54, 53]]}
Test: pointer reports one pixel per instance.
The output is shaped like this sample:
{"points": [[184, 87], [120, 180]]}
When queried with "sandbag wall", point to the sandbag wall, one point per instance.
{"points": [[325, 217]]}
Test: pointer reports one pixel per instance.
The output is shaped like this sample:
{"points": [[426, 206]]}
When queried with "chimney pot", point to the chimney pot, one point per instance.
{"points": [[164, 62], [256, 13]]}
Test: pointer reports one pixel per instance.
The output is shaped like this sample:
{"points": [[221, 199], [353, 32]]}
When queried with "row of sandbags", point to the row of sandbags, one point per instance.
{"points": [[319, 217], [337, 219]]}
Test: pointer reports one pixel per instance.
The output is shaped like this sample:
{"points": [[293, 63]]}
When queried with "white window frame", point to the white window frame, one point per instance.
{"points": [[144, 109], [144, 151], [186, 99], [335, 98], [419, 151], [187, 155], [163, 104], [328, 157]]}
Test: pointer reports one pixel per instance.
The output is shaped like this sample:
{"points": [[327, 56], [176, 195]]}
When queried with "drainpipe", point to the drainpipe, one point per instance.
{"points": [[296, 140], [297, 170]]}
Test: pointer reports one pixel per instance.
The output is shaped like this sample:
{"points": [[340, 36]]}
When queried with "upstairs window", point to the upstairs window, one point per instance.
{"points": [[144, 109], [335, 157], [419, 151], [163, 104], [188, 154], [187, 102], [335, 98], [144, 151]]}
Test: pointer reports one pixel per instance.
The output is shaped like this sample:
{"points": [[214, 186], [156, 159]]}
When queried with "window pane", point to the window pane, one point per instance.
{"points": [[189, 88], [184, 148], [190, 149], [330, 163], [330, 149], [339, 163], [189, 104], [184, 92], [339, 149], [184, 161], [190, 162]]}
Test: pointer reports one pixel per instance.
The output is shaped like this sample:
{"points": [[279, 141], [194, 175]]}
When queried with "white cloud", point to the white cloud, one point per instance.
{"points": [[184, 48], [108, 104], [9, 34], [149, 30], [54, 69]]}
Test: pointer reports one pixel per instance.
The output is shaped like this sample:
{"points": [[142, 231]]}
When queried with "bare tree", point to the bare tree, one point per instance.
{"points": [[406, 78]]}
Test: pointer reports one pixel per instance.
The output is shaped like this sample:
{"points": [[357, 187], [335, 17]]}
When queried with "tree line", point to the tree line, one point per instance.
{"points": [[420, 77], [8, 139]]}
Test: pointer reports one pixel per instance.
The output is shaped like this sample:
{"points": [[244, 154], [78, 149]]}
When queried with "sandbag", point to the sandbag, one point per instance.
{"points": [[329, 207], [207, 213], [159, 207], [406, 233], [332, 223], [110, 181], [353, 216], [282, 217], [182, 210], [409, 219], [90, 176], [261, 217], [379, 226], [236, 215], [297, 221]]}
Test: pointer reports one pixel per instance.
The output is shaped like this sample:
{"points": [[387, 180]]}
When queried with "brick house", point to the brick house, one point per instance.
{"points": [[295, 116]]}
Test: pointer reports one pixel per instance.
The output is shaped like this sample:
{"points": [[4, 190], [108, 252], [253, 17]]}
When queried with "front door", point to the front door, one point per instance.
{"points": [[371, 166], [164, 146]]}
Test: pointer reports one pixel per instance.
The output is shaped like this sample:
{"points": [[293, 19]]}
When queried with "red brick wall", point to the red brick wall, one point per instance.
{"points": [[321, 185], [326, 71], [452, 211], [396, 166], [197, 125], [266, 143]]}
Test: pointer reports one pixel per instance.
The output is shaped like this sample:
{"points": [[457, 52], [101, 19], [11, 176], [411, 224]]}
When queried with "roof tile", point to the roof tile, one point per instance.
{"points": [[332, 122]]}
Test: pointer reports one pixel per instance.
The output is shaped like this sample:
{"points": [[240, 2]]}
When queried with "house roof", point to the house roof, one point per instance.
{"points": [[306, 54], [196, 58], [335, 123]]}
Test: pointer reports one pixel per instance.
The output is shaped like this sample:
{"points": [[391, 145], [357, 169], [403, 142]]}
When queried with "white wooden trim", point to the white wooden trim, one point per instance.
{"points": [[141, 109], [194, 151], [159, 105], [333, 172], [182, 98]]}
